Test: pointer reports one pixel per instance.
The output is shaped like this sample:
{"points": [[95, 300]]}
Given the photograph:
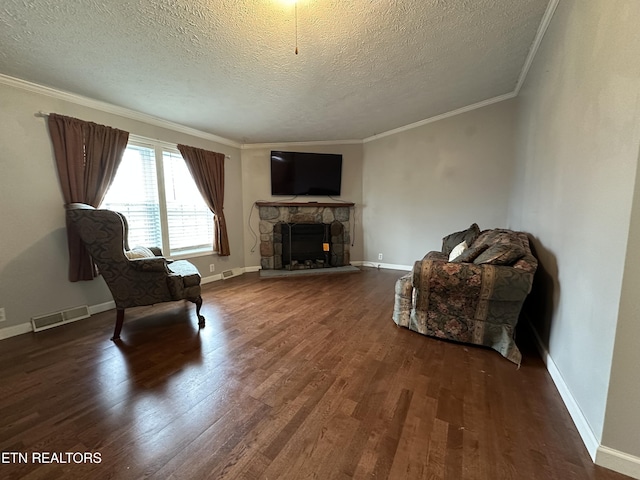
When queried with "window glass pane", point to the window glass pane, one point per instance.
{"points": [[189, 219], [134, 193]]}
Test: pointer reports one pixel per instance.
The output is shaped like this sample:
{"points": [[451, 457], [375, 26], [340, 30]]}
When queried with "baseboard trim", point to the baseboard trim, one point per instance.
{"points": [[355, 263], [22, 328], [211, 278], [102, 307], [27, 327], [388, 266], [582, 425], [600, 455], [236, 272], [618, 461], [15, 330]]}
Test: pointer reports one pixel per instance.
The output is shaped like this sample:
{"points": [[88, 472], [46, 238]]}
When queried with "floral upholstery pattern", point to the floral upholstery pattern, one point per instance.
{"points": [[132, 282], [468, 302]]}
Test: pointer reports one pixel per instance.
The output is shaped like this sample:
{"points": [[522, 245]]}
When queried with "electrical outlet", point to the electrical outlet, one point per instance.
{"points": [[3, 317], [379, 256], [212, 268]]}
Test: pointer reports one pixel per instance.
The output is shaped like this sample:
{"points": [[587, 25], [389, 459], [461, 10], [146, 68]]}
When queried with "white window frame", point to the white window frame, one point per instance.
{"points": [[159, 147]]}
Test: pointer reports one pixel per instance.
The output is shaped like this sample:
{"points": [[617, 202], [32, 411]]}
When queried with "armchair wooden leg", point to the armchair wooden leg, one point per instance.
{"points": [[198, 302], [119, 322]]}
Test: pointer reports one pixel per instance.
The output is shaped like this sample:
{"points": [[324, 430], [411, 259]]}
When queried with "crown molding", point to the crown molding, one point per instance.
{"points": [[143, 117], [252, 146], [437, 118], [542, 29], [113, 109]]}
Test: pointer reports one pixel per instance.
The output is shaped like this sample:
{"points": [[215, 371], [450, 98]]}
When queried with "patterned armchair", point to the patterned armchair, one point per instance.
{"points": [[135, 278], [474, 298]]}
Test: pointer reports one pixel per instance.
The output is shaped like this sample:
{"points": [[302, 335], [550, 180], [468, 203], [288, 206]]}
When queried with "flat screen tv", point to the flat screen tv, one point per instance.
{"points": [[295, 173]]}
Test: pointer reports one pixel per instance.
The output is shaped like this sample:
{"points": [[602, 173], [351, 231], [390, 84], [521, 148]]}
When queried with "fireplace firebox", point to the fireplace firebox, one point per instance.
{"points": [[306, 245]]}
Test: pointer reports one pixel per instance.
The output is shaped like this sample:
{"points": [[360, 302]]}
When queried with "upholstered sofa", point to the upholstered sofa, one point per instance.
{"points": [[472, 291]]}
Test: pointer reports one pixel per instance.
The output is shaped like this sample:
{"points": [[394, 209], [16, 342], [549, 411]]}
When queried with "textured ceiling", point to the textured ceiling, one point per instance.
{"points": [[228, 67]]}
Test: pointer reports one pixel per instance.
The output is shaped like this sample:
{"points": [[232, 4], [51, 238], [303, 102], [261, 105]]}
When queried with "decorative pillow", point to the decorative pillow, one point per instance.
{"points": [[469, 235], [500, 254], [470, 254], [139, 252], [457, 251]]}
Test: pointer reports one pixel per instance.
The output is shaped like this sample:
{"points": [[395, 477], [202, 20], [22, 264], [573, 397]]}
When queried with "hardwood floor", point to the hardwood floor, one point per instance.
{"points": [[292, 378]]}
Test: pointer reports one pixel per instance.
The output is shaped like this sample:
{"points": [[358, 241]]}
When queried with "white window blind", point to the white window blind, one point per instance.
{"points": [[190, 220], [155, 191], [134, 193]]}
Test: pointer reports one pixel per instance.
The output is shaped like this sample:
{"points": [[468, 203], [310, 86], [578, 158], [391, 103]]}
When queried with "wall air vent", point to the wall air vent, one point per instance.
{"points": [[227, 274], [50, 320]]}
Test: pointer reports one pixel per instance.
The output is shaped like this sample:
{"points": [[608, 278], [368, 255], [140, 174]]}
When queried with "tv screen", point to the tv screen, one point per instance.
{"points": [[295, 173]]}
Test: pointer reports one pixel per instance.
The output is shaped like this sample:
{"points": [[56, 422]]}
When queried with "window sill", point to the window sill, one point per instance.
{"points": [[192, 254]]}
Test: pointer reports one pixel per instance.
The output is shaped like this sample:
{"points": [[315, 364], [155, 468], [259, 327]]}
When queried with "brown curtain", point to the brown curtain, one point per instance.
{"points": [[207, 170], [87, 156]]}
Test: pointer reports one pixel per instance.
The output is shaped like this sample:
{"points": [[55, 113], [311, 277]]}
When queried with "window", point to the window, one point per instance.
{"points": [[154, 189]]}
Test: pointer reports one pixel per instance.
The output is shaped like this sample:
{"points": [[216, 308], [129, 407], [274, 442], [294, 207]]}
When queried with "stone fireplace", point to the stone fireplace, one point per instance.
{"points": [[297, 236]]}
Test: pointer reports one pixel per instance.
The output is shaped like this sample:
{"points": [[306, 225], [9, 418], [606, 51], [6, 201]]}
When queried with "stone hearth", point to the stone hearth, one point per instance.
{"points": [[274, 216]]}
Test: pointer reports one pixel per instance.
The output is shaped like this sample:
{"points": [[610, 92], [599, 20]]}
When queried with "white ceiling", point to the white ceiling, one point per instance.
{"points": [[228, 67]]}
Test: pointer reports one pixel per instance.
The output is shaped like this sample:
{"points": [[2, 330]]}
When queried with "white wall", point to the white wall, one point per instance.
{"points": [[622, 418], [577, 153], [33, 251], [256, 182], [422, 184]]}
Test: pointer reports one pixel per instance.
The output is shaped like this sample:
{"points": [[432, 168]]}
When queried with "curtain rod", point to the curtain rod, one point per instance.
{"points": [[42, 114]]}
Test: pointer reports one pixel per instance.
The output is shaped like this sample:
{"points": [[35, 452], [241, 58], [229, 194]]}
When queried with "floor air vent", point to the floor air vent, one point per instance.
{"points": [[50, 320], [227, 274]]}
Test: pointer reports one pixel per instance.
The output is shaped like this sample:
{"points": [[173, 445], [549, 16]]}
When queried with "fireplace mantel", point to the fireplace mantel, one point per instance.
{"points": [[305, 204]]}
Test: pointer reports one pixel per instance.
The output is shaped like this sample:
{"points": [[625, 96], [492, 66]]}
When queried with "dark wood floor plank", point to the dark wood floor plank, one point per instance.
{"points": [[292, 378]]}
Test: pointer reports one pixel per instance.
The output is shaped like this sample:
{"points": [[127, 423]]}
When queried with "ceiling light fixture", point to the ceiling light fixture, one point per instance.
{"points": [[295, 4], [295, 10]]}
